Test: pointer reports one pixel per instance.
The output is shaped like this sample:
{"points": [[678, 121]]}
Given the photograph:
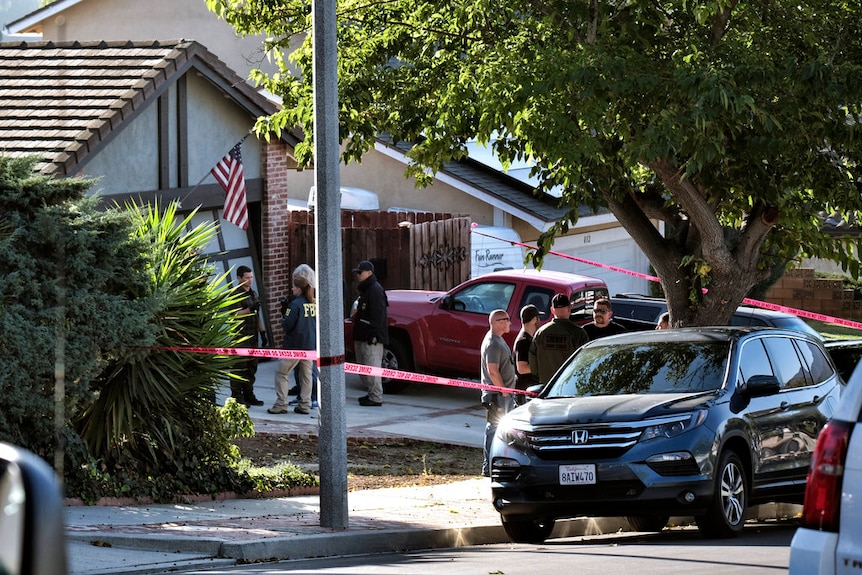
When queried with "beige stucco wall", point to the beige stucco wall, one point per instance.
{"points": [[385, 176], [157, 20], [209, 141]]}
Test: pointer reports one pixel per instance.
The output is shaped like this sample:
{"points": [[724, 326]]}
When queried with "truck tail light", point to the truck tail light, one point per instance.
{"points": [[822, 508]]}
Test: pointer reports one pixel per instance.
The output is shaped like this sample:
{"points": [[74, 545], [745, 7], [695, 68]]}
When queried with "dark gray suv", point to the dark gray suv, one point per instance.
{"points": [[699, 422]]}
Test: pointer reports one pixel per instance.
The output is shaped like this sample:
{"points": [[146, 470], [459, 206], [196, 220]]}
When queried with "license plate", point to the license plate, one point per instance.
{"points": [[583, 474]]}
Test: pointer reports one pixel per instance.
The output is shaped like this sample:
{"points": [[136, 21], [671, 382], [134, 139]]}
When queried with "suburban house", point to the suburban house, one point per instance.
{"points": [[179, 152]]}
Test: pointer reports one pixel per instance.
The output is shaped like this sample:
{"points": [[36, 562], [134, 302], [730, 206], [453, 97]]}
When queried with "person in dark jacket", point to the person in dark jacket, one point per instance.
{"points": [[602, 324], [370, 330], [300, 333], [242, 386], [555, 341]]}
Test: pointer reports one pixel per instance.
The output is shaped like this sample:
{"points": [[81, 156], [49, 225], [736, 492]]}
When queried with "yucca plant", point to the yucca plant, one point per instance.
{"points": [[156, 405]]}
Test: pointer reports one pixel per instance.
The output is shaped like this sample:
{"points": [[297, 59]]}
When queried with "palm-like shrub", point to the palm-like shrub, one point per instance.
{"points": [[155, 414]]}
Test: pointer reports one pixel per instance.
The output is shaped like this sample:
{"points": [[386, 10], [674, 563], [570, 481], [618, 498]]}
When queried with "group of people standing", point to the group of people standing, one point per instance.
{"points": [[537, 354], [299, 323]]}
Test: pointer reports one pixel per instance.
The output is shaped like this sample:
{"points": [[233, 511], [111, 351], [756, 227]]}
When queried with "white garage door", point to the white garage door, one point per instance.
{"points": [[613, 247]]}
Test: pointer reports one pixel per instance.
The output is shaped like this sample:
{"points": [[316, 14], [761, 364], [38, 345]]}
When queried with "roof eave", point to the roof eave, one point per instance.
{"points": [[32, 23]]}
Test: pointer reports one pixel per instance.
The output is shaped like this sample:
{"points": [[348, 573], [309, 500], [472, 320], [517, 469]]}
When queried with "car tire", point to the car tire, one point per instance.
{"points": [[396, 356], [528, 530], [725, 516], [647, 523]]}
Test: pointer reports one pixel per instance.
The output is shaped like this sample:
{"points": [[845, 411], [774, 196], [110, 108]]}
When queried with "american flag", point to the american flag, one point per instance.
{"points": [[228, 172]]}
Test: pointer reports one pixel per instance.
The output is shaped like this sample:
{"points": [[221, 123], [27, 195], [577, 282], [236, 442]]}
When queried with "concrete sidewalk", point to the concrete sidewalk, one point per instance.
{"points": [[157, 538], [154, 538]]}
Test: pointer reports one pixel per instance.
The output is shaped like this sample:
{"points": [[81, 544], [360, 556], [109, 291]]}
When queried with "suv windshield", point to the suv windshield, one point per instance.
{"points": [[661, 367]]}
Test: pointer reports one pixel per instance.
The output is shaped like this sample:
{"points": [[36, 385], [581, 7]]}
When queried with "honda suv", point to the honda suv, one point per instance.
{"points": [[699, 422]]}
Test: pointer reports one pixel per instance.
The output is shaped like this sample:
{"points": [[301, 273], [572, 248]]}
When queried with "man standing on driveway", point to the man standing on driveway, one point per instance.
{"points": [[555, 341], [242, 387], [498, 369], [370, 330]]}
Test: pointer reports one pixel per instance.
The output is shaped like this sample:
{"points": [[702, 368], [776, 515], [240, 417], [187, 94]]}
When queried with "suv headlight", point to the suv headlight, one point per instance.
{"points": [[673, 427], [512, 436]]}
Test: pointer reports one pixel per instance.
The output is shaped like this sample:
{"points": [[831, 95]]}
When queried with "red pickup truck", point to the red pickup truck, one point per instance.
{"points": [[441, 332]]}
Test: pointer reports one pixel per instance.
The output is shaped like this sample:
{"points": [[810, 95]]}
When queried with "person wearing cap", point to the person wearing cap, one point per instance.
{"points": [[555, 341], [603, 325], [300, 333], [370, 330], [498, 370], [529, 324]]}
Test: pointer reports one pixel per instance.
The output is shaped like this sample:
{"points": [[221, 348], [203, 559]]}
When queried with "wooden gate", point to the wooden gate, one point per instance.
{"points": [[409, 250], [440, 254]]}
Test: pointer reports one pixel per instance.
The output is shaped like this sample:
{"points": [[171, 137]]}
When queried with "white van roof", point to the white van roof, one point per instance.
{"points": [[351, 199]]}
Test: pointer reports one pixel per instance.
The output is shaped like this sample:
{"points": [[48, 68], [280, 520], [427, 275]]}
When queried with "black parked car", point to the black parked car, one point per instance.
{"points": [[699, 422], [639, 312]]}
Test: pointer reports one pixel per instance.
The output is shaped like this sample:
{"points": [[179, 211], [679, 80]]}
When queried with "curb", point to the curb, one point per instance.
{"points": [[360, 543]]}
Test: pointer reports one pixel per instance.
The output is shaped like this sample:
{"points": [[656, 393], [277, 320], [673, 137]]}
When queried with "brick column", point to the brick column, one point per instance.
{"points": [[277, 163]]}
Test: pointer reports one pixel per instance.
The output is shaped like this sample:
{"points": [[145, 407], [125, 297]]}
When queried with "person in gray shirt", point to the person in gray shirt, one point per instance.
{"points": [[498, 369]]}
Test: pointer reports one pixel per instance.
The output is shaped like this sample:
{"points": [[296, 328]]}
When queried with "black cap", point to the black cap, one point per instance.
{"points": [[561, 300], [364, 266], [528, 313]]}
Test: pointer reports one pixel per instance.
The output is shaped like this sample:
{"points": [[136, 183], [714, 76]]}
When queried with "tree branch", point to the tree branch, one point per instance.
{"points": [[700, 213], [719, 27]]}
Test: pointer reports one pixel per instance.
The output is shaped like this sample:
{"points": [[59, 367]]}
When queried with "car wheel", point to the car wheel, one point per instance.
{"points": [[528, 530], [395, 356], [725, 516], [647, 522]]}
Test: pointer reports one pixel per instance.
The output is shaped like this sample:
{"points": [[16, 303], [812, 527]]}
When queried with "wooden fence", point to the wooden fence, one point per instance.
{"points": [[409, 250]]}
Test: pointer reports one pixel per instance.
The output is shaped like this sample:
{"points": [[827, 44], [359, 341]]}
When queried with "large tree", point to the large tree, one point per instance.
{"points": [[731, 122]]}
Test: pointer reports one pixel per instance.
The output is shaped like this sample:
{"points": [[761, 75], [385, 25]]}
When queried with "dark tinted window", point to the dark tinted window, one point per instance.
{"points": [[786, 362], [746, 320], [541, 298], [845, 359], [754, 360], [818, 365], [644, 311], [683, 367]]}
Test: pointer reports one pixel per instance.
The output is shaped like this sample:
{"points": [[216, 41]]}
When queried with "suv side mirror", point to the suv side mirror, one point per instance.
{"points": [[537, 389], [761, 385], [31, 515], [447, 302]]}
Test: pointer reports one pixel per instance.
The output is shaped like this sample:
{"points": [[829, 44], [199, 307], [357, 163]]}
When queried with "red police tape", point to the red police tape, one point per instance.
{"points": [[423, 378], [348, 367], [766, 305]]}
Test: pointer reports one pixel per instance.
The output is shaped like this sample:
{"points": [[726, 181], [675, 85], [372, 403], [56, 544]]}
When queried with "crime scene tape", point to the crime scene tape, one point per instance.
{"points": [[348, 367], [757, 303]]}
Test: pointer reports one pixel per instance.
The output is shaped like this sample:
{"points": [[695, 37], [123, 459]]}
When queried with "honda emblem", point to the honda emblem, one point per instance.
{"points": [[580, 436]]}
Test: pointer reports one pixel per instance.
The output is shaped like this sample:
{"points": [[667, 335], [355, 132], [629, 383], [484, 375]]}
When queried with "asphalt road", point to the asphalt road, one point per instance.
{"points": [[762, 549]]}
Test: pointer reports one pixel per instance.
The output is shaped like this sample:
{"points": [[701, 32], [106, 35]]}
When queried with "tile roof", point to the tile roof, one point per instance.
{"points": [[63, 100]]}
